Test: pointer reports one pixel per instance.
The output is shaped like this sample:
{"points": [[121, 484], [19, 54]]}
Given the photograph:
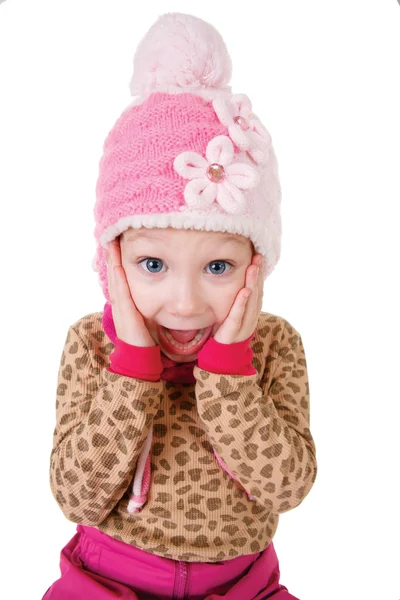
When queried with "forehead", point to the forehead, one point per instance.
{"points": [[164, 236]]}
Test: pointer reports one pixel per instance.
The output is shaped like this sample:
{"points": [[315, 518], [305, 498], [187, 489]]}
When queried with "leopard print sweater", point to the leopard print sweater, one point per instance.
{"points": [[258, 424]]}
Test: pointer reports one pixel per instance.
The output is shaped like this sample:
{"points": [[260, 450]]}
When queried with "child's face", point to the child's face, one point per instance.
{"points": [[191, 281]]}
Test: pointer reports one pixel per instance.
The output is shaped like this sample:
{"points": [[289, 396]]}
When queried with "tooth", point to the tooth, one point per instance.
{"points": [[193, 342]]}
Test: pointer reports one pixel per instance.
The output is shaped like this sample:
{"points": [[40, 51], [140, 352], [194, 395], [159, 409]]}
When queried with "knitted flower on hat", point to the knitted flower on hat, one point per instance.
{"points": [[217, 176], [244, 127]]}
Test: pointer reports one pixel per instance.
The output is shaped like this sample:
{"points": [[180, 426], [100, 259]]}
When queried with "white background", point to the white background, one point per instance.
{"points": [[324, 79]]}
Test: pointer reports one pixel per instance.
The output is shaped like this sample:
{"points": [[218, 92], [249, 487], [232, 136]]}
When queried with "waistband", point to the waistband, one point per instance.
{"points": [[134, 553]]}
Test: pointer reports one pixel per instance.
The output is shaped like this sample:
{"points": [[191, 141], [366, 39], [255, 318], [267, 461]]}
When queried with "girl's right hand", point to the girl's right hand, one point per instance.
{"points": [[129, 323]]}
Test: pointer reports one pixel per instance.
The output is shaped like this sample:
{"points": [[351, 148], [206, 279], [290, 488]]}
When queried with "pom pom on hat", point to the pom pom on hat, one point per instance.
{"points": [[180, 51]]}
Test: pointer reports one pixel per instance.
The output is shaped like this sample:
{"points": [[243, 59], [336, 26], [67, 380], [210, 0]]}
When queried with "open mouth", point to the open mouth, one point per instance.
{"points": [[184, 345]]}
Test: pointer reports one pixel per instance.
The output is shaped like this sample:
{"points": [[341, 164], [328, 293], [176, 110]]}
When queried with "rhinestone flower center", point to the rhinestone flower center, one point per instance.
{"points": [[215, 173], [241, 121]]}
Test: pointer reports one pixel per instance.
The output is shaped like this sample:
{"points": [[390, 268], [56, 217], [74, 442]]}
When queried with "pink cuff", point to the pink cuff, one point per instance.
{"points": [[229, 359], [136, 361]]}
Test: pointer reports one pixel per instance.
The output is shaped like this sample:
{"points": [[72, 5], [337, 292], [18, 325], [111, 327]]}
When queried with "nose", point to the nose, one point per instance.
{"points": [[186, 300]]}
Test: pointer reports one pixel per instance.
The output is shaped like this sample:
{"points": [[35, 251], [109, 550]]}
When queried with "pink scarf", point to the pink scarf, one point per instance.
{"points": [[172, 371]]}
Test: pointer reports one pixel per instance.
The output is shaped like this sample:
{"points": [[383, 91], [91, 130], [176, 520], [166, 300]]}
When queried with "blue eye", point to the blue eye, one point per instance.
{"points": [[222, 263], [153, 264]]}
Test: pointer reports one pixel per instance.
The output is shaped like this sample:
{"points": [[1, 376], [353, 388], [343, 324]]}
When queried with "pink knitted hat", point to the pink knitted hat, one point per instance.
{"points": [[187, 153]]}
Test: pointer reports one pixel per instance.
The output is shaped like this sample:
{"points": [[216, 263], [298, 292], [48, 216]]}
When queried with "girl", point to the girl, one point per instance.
{"points": [[183, 416]]}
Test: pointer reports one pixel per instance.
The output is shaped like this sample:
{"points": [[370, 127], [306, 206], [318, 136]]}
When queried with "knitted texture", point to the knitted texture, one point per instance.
{"points": [[138, 185]]}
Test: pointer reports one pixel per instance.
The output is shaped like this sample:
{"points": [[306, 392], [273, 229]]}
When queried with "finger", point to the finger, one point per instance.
{"points": [[126, 305], [258, 260], [115, 256], [113, 264], [239, 308], [113, 288], [253, 286], [252, 274], [252, 302], [116, 250], [232, 323], [110, 274], [261, 276]]}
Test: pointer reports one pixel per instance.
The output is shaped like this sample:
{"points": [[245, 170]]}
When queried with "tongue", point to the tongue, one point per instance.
{"points": [[183, 336]]}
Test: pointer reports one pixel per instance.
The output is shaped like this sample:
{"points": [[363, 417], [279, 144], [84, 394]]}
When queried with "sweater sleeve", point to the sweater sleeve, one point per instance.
{"points": [[261, 430], [102, 421]]}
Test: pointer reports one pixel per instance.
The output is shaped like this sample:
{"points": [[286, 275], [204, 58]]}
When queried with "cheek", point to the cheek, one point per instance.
{"points": [[142, 297], [223, 302], [145, 303]]}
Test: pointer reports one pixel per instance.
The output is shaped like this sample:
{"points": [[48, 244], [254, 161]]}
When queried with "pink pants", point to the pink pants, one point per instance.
{"points": [[96, 566]]}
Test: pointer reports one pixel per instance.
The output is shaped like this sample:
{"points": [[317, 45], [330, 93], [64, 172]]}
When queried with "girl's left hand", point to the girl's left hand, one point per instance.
{"points": [[242, 319]]}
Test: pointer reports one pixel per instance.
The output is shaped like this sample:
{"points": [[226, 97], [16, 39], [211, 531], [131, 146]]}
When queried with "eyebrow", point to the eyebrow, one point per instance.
{"points": [[231, 239]]}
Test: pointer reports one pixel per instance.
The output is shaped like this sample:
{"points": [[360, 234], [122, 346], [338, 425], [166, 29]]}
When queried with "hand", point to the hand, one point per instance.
{"points": [[242, 319], [129, 323]]}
